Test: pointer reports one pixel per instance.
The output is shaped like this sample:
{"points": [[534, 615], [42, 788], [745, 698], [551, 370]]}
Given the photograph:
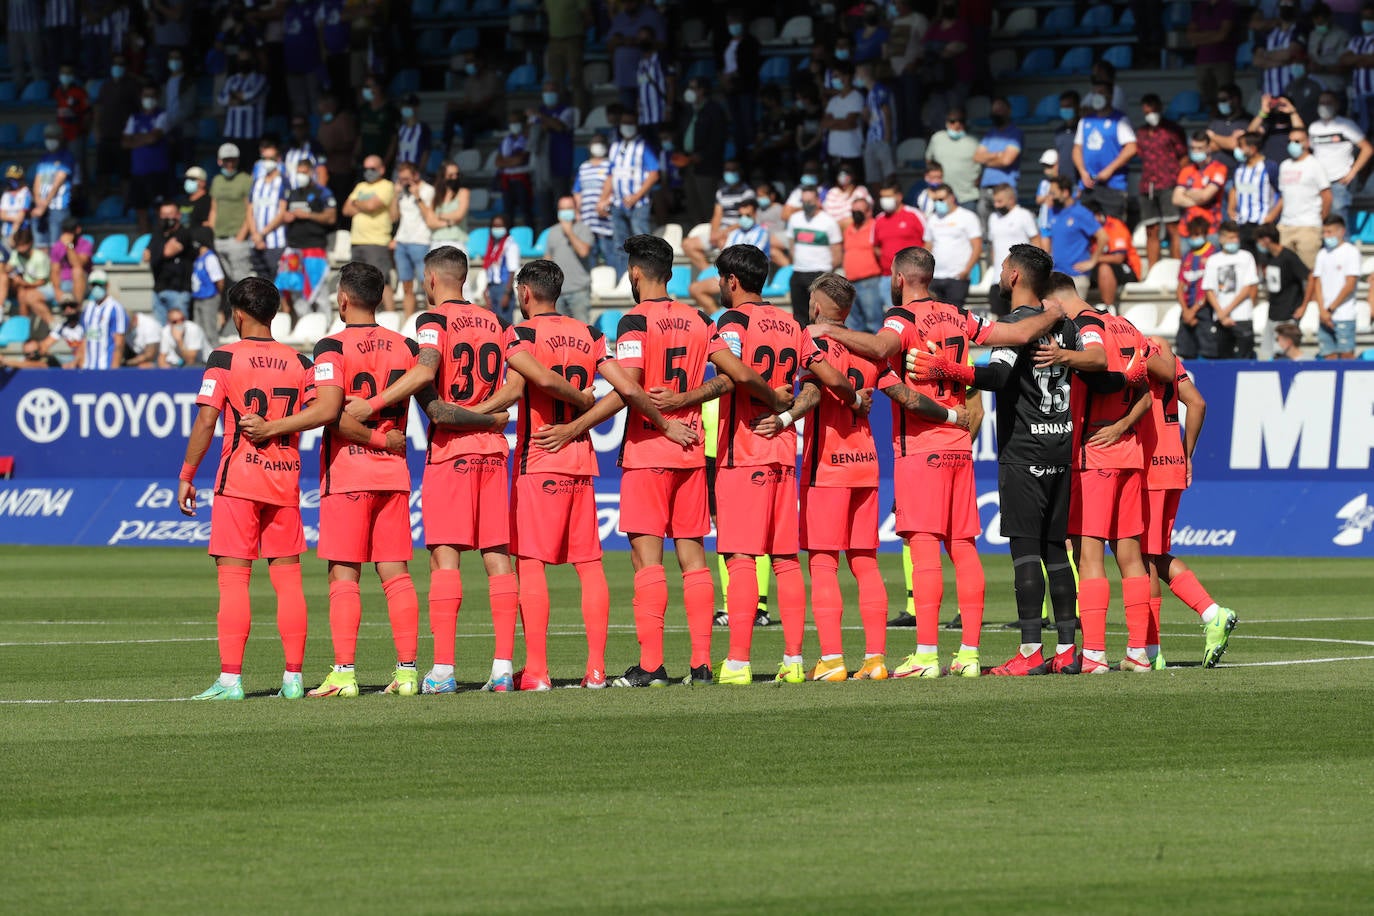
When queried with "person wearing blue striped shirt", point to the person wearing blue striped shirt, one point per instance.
{"points": [[266, 209], [105, 323], [747, 231], [625, 194], [1253, 198], [1359, 60], [1283, 46], [244, 99], [591, 178], [413, 138]]}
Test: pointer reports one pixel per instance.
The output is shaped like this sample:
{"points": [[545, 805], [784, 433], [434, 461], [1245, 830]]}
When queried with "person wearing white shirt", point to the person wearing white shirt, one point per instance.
{"points": [[844, 119], [1341, 148], [1231, 282], [413, 235], [141, 341], [183, 343], [1305, 192], [1331, 290], [956, 242], [1009, 224], [817, 247]]}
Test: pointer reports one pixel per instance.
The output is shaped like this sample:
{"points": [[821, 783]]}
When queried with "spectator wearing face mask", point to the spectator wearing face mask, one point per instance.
{"points": [[117, 100], [632, 19], [150, 162], [1341, 149], [747, 231], [880, 123], [724, 217], [999, 154], [551, 127], [481, 99], [207, 287], [300, 148], [840, 199], [15, 204], [369, 206], [934, 178], [105, 324], [817, 248], [768, 213], [244, 99], [266, 208], [183, 342], [634, 170], [1201, 184], [52, 187], [843, 121], [810, 178], [377, 122], [1196, 324], [1065, 132], [1009, 224], [502, 263], [1102, 150], [569, 246], [1049, 167], [448, 218], [1331, 290], [1326, 42], [657, 84], [591, 179], [413, 136], [73, 111], [1212, 35], [1305, 194], [513, 172], [1162, 145], [1231, 282], [38, 352], [1285, 282], [1074, 233], [1280, 49], [1113, 262], [170, 255], [956, 243], [737, 62], [413, 235], [1358, 59], [1253, 200], [1230, 121], [703, 131], [863, 270], [954, 150], [309, 212], [338, 144], [896, 226], [229, 213]]}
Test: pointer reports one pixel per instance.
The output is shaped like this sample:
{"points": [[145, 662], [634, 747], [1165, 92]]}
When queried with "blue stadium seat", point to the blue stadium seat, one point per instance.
{"points": [[681, 279], [93, 88], [432, 43], [1245, 55], [775, 70], [524, 237], [113, 249], [208, 130], [1047, 109], [1119, 56], [1177, 16], [36, 93], [1037, 62], [1020, 107], [33, 137], [451, 9], [541, 244], [477, 244], [9, 136], [1058, 22], [522, 79], [1125, 26], [463, 40], [14, 330], [1076, 61], [702, 69], [608, 323], [423, 9], [1186, 104], [404, 83], [1096, 20], [110, 210], [488, 7], [7, 93], [136, 249], [778, 287], [435, 162], [1368, 354]]}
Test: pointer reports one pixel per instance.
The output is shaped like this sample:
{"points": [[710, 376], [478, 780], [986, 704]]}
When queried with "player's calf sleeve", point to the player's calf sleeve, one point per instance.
{"points": [[1093, 596], [791, 604], [235, 616], [971, 587], [650, 604], [445, 598], [534, 614], [699, 601], [826, 603], [906, 579], [1064, 600], [741, 597], [291, 612], [872, 600], [762, 567], [403, 607], [505, 601], [1028, 581], [596, 611], [1135, 595], [1152, 633], [345, 613], [928, 586], [1189, 590]]}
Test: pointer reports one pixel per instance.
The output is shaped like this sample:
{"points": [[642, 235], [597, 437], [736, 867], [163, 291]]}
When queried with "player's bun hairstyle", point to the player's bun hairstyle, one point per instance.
{"points": [[255, 297], [1061, 282], [652, 255], [363, 283], [840, 290], [449, 260], [543, 278], [745, 263], [1035, 266], [914, 263]]}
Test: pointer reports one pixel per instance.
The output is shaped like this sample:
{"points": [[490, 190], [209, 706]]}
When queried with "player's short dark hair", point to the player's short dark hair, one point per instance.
{"points": [[652, 255], [747, 264], [914, 262], [1063, 183], [1035, 265], [840, 290], [1060, 282], [255, 297], [933, 165], [1200, 136], [1228, 226], [1151, 99], [1252, 138], [1267, 231], [543, 278], [363, 283], [1071, 94], [1290, 331], [1094, 207], [842, 67], [22, 236], [1334, 220], [1198, 224], [449, 260]]}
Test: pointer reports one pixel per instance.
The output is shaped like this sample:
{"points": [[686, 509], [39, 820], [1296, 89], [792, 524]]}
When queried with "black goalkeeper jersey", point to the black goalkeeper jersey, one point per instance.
{"points": [[1034, 425]]}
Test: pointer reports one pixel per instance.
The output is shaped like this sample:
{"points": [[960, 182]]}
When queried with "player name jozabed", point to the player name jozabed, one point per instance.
{"points": [[581, 345]]}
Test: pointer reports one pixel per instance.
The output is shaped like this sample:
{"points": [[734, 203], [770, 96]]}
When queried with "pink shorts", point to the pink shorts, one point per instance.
{"points": [[1161, 509], [936, 494], [553, 518], [664, 502], [245, 529], [1106, 503], [369, 527], [839, 518], [465, 503], [756, 510]]}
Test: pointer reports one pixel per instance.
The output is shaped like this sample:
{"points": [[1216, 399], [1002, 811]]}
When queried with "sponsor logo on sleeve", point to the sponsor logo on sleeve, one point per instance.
{"points": [[733, 341], [207, 388], [324, 372], [892, 324], [629, 349], [428, 337]]}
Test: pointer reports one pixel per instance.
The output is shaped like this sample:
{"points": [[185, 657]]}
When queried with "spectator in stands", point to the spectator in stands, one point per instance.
{"points": [[229, 213], [1358, 59], [669, 198], [38, 353], [809, 134], [1326, 42], [587, 186], [810, 178], [1103, 148], [118, 100], [724, 217], [105, 324], [179, 104], [266, 209], [1103, 73], [70, 257], [244, 99], [1230, 122], [775, 146], [840, 199], [634, 170], [747, 231], [768, 213], [844, 121], [171, 22], [1304, 90], [817, 245], [377, 122], [623, 41], [1331, 287], [896, 226], [142, 340], [863, 269], [950, 65], [1231, 282], [880, 126], [1114, 261], [73, 111], [703, 132], [956, 243], [1340, 148], [62, 34], [999, 154], [513, 172], [934, 177], [1212, 35], [955, 150], [871, 35], [1009, 224], [301, 47], [569, 246], [52, 187], [1285, 282], [1049, 167], [1305, 195], [816, 74], [1197, 332], [24, 37], [1281, 48], [207, 286], [448, 217], [1287, 340], [338, 137], [738, 62], [502, 263], [27, 275], [413, 137], [170, 256], [336, 37], [551, 131], [413, 235], [905, 52], [1253, 200], [567, 30], [1162, 146], [15, 203], [183, 342], [479, 105], [309, 212], [1201, 184], [369, 206], [150, 161], [300, 148], [1074, 233]]}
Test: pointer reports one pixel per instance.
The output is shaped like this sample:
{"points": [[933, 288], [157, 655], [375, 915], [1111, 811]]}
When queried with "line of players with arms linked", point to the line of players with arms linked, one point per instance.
{"points": [[1089, 443]]}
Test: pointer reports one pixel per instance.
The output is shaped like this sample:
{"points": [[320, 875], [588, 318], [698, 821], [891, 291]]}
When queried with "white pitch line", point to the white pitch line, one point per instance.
{"points": [[1299, 661], [95, 700]]}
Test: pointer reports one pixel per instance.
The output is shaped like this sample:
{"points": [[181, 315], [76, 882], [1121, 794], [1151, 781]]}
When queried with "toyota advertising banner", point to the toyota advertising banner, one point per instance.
{"points": [[1283, 468]]}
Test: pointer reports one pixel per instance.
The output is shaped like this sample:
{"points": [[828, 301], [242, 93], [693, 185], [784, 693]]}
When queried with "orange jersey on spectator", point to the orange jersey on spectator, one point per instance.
{"points": [[576, 352], [472, 360], [1092, 410], [363, 359], [257, 375], [1165, 465], [1192, 178], [838, 449], [952, 329], [670, 343], [1119, 242], [769, 341]]}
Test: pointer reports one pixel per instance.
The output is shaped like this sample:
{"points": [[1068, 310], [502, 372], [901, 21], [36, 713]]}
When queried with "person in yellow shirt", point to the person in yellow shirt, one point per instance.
{"points": [[369, 206]]}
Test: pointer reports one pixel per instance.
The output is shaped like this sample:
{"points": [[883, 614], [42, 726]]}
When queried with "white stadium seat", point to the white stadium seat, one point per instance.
{"points": [[281, 326], [672, 234], [1144, 317], [408, 329], [342, 250], [308, 330], [1261, 316], [389, 320], [1168, 324], [795, 31]]}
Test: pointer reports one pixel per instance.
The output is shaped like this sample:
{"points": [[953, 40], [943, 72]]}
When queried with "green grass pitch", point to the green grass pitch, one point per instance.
{"points": [[1242, 789]]}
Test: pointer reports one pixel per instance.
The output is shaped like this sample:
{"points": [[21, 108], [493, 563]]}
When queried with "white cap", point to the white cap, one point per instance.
{"points": [[99, 277], [197, 172], [228, 151], [1049, 157]]}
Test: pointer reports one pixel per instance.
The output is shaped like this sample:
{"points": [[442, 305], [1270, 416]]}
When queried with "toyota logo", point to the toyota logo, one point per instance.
{"points": [[42, 415]]}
